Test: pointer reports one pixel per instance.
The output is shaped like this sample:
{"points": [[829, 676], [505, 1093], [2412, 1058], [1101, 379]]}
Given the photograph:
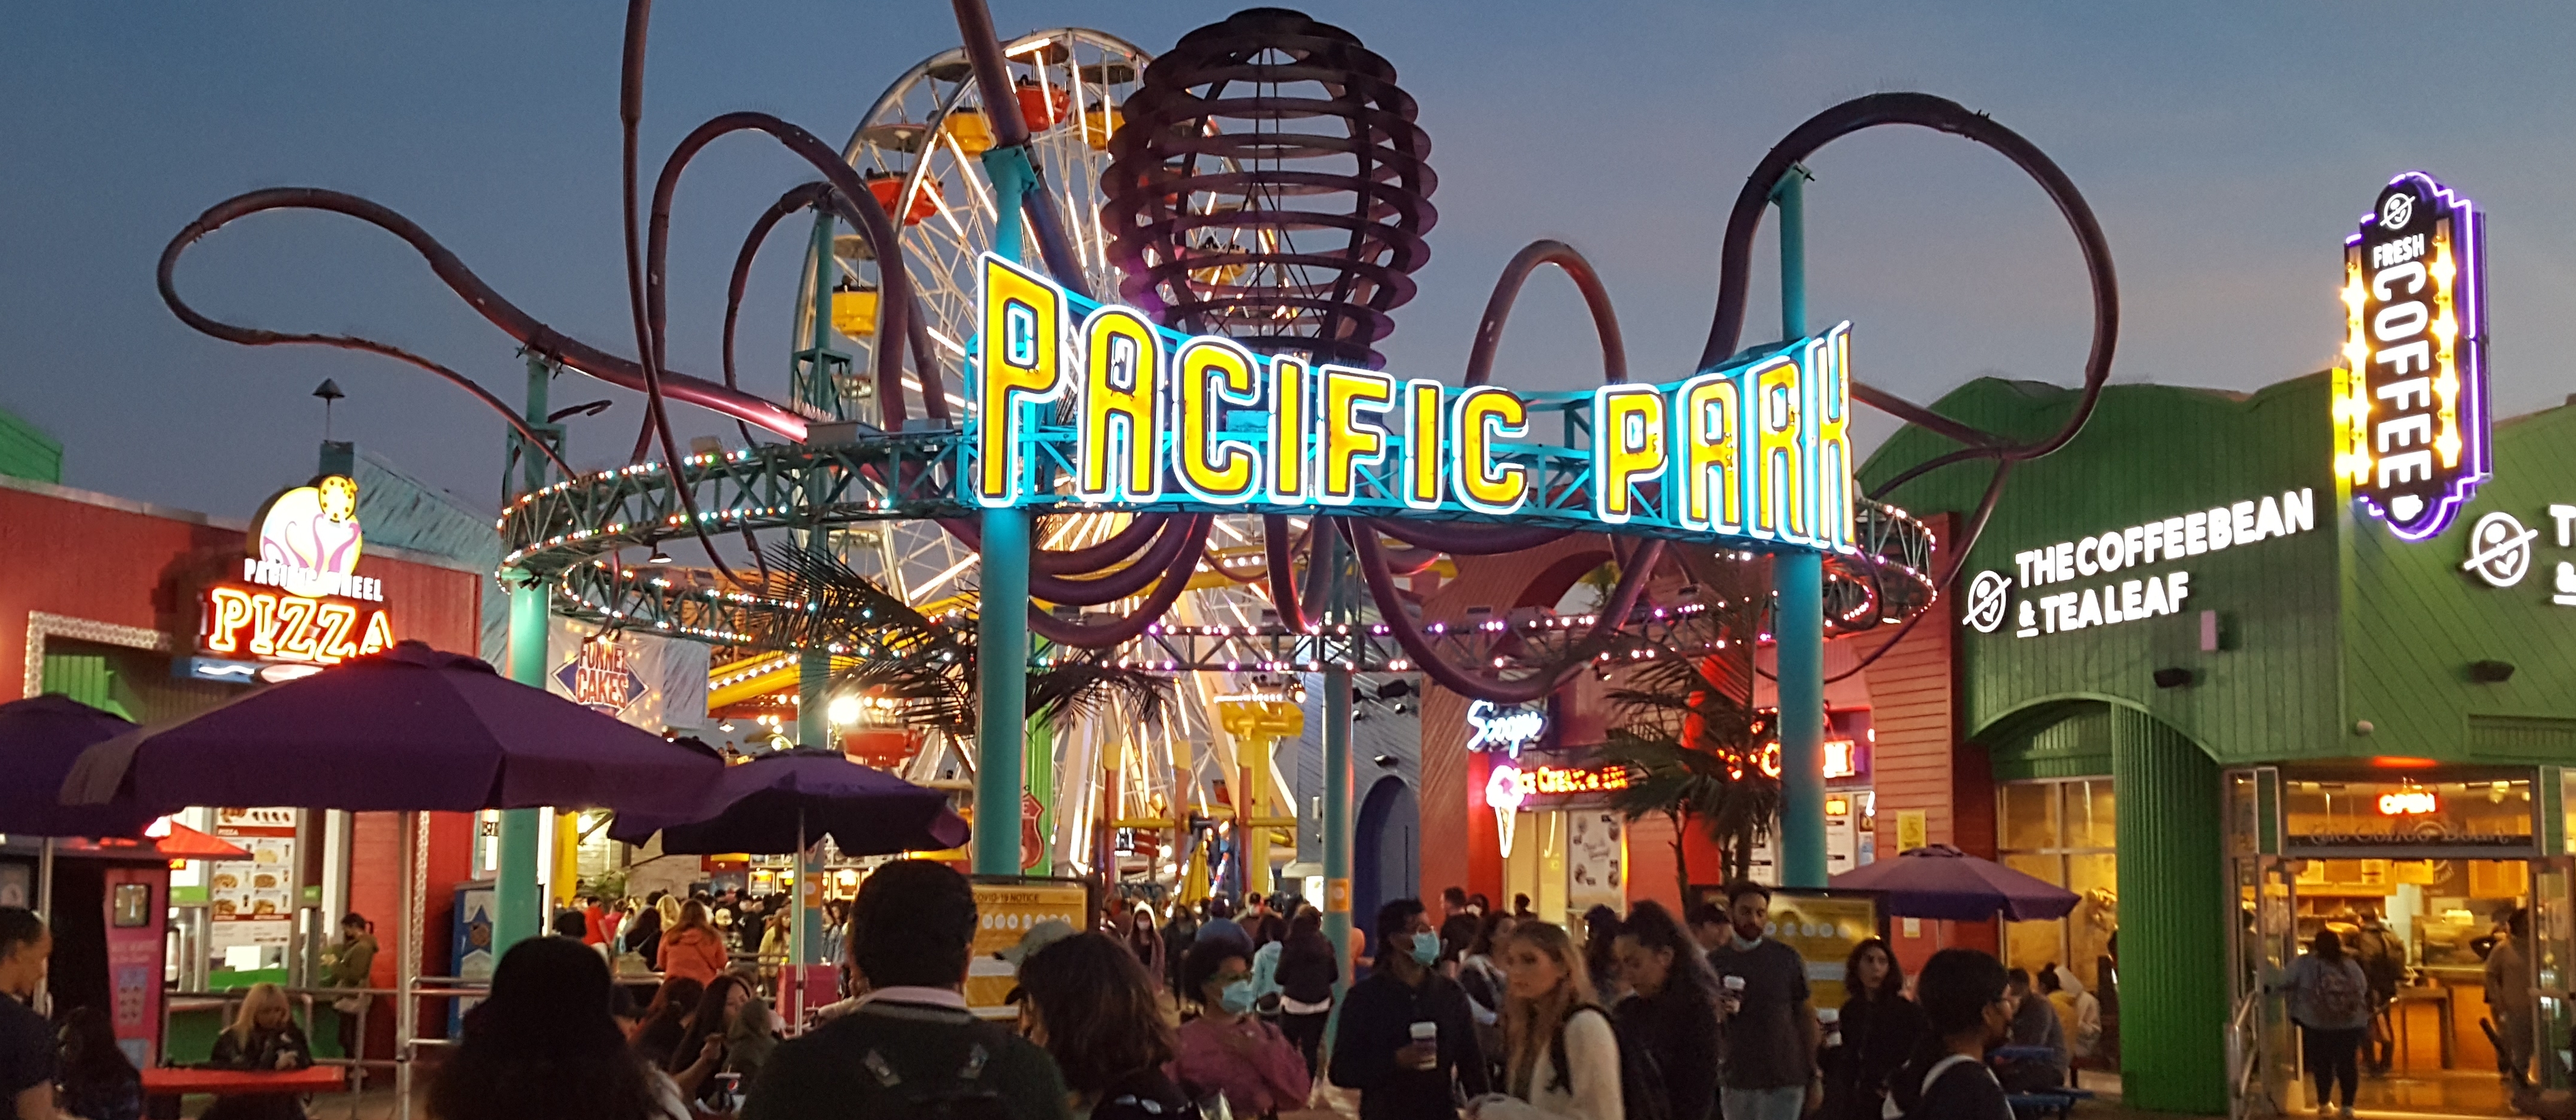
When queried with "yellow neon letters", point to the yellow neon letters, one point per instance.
{"points": [[1829, 460], [1627, 446], [1022, 362], [1708, 423], [1422, 451], [1215, 465], [1481, 416], [1349, 442], [1155, 419], [1119, 453], [1779, 427], [1292, 428]]}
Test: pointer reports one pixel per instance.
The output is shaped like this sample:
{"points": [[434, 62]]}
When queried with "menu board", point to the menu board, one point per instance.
{"points": [[1824, 929], [252, 902], [1595, 861], [1006, 909]]}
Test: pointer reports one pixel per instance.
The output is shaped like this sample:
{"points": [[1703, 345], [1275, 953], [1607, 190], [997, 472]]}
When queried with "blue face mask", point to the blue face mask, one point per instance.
{"points": [[1426, 949], [1237, 997]]}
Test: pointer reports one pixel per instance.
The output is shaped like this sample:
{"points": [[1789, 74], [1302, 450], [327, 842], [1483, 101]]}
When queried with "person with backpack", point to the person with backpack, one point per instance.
{"points": [[1673, 1012], [2330, 1001], [910, 1049], [2382, 955], [1966, 1009], [1563, 1055]]}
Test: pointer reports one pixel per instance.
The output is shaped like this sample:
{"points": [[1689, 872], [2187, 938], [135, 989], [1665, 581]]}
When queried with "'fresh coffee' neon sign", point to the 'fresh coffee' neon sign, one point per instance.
{"points": [[2411, 397]]}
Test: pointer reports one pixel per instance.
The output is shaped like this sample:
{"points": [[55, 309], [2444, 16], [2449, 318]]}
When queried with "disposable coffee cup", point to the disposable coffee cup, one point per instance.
{"points": [[1428, 1031]]}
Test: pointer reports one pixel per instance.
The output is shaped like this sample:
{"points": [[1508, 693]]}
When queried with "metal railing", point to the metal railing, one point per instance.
{"points": [[2249, 1096]]}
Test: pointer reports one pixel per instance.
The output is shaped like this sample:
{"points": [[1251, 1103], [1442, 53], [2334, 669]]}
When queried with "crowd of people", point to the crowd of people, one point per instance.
{"points": [[1203, 1011]]}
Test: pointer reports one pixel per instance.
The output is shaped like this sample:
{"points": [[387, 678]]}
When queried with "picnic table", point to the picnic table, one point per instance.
{"points": [[164, 1085]]}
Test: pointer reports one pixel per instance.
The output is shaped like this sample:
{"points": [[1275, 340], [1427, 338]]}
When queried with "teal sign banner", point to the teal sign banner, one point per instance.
{"points": [[1079, 405]]}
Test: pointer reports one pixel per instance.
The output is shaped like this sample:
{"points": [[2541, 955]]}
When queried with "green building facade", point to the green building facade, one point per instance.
{"points": [[2292, 717]]}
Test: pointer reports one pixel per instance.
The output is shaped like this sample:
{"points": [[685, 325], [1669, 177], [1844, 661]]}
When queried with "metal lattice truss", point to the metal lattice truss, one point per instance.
{"points": [[571, 533]]}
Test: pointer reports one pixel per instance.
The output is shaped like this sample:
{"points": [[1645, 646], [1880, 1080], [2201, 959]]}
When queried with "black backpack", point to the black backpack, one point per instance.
{"points": [[953, 1087], [1641, 1081]]}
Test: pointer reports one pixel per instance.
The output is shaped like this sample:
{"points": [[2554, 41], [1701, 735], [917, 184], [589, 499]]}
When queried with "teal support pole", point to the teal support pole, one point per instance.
{"points": [[1002, 682], [518, 909], [1798, 631], [1001, 633], [1337, 774], [1799, 636]]}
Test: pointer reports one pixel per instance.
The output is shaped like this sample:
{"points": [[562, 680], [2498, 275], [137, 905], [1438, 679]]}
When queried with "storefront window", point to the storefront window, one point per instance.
{"points": [[2063, 831]]}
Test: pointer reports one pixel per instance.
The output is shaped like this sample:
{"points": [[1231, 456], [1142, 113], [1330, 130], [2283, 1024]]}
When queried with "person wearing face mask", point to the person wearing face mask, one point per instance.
{"points": [[1229, 1050], [1966, 1009], [1147, 943], [1406, 1040]]}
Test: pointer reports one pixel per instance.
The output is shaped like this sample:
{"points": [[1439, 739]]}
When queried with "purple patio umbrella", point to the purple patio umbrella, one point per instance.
{"points": [[40, 737], [779, 803], [1942, 882], [412, 729]]}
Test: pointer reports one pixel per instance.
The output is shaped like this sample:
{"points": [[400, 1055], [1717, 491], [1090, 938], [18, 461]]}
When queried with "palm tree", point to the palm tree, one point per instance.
{"points": [[1693, 751]]}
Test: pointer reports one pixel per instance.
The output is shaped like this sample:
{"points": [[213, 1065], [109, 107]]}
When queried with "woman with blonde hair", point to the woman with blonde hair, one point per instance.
{"points": [[691, 947], [263, 1036], [1561, 1054]]}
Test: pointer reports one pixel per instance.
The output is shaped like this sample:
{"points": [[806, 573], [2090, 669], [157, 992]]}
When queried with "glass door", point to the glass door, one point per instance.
{"points": [[2262, 1045], [2553, 930]]}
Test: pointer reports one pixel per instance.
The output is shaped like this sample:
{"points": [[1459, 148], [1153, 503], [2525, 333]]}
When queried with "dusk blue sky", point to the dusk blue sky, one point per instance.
{"points": [[2227, 148]]}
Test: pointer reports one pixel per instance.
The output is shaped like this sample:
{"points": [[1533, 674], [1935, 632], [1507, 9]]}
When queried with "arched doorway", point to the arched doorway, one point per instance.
{"points": [[1386, 863]]}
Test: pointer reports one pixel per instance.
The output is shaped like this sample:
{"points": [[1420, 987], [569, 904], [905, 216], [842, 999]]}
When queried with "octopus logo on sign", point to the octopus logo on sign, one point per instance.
{"points": [[308, 540], [2410, 404]]}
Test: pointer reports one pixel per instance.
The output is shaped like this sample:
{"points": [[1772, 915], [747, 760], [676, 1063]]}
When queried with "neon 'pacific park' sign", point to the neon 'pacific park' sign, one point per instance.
{"points": [[1076, 404]]}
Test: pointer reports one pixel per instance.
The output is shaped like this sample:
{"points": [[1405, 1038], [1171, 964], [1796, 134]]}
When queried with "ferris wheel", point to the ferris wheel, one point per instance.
{"points": [[919, 148]]}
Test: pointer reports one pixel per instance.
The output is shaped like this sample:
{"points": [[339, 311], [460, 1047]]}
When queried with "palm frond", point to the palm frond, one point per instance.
{"points": [[847, 611], [1085, 684]]}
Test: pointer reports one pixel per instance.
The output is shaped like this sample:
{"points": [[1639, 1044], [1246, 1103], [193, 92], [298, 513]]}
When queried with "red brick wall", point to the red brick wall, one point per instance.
{"points": [[97, 559]]}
